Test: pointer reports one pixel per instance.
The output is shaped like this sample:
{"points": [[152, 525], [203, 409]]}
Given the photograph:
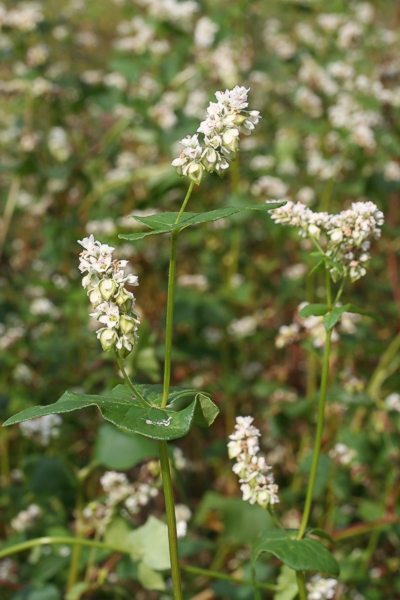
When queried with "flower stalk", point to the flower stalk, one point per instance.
{"points": [[320, 422]]}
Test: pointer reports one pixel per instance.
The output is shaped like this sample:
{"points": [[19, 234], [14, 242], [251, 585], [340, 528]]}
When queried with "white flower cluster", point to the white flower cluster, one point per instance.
{"points": [[113, 303], [58, 144], [183, 515], [42, 429], [8, 570], [257, 481], [346, 233], [98, 514], [171, 10], [225, 119], [342, 454], [118, 489], [321, 589], [392, 402], [26, 518], [24, 18]]}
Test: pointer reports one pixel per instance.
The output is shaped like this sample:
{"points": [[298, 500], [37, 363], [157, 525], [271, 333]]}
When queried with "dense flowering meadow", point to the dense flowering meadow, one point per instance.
{"points": [[94, 98]]}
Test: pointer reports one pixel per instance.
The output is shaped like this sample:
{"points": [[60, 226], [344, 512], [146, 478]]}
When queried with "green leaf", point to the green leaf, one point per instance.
{"points": [[123, 409], [165, 222], [321, 534], [300, 555], [318, 267], [287, 584], [116, 449], [117, 532], [205, 412], [150, 579], [313, 310], [149, 544], [48, 592], [241, 522], [77, 590], [331, 318]]}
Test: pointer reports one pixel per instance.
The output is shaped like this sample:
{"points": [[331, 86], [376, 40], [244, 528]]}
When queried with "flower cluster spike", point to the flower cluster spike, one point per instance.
{"points": [[225, 119], [113, 304], [258, 486], [347, 233]]}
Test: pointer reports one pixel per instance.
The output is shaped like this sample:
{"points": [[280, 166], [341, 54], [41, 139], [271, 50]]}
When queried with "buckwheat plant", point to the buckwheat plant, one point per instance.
{"points": [[149, 410], [343, 243]]}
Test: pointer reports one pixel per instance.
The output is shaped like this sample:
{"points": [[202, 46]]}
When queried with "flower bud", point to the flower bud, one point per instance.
{"points": [[336, 235], [95, 297], [107, 339], [239, 119], [195, 172], [124, 352], [107, 288], [126, 324], [314, 231], [122, 296], [230, 139], [127, 305]]}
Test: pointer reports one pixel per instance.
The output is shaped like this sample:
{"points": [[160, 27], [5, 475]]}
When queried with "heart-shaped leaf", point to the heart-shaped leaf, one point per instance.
{"points": [[165, 222], [301, 555], [123, 409], [313, 310]]}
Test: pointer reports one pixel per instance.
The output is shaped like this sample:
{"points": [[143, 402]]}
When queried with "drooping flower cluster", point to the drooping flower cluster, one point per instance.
{"points": [[347, 233], [321, 589], [105, 284], [255, 475], [225, 119]]}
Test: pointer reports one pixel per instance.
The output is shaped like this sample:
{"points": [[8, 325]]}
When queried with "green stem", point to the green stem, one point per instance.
{"points": [[170, 317], [170, 301], [4, 458], [382, 370], [186, 200], [128, 381], [9, 210], [320, 422], [275, 520], [76, 553], [340, 291], [301, 585], [171, 520], [162, 445], [318, 247]]}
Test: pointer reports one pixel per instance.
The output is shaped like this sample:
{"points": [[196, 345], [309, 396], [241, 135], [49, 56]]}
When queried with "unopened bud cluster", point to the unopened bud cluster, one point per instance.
{"points": [[225, 119], [258, 486], [113, 304], [347, 233]]}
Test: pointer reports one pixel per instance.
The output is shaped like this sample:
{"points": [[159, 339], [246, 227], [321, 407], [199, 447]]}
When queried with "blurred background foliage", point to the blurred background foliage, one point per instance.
{"points": [[93, 100]]}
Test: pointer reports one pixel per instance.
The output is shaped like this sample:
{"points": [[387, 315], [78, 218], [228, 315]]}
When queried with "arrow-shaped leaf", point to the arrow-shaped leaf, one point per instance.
{"points": [[124, 410], [301, 555], [165, 222]]}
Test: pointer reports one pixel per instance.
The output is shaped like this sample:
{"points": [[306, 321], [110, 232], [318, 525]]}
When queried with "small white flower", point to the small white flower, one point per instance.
{"points": [[321, 589]]}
